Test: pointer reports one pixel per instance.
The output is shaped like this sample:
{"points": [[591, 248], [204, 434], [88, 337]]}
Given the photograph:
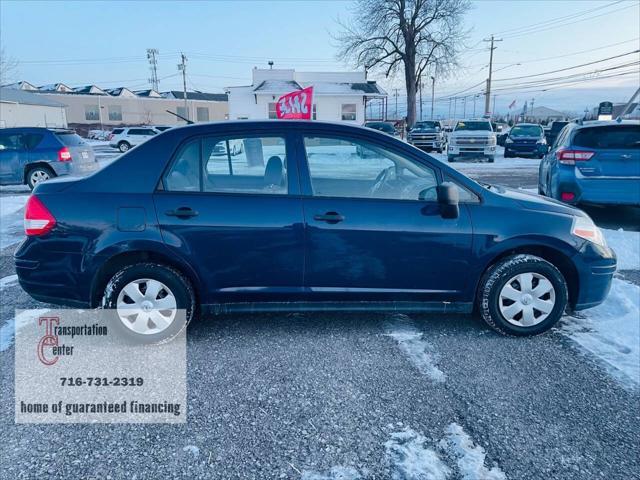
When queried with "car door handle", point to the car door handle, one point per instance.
{"points": [[182, 212], [329, 217], [626, 157]]}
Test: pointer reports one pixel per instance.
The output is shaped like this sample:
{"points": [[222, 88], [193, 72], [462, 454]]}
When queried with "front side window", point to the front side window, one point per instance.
{"points": [[230, 165], [91, 112], [355, 169], [115, 113], [349, 111], [202, 114]]}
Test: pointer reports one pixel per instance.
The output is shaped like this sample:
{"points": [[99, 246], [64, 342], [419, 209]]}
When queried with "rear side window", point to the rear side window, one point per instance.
{"points": [[70, 139], [613, 137], [117, 131], [142, 131], [32, 140]]}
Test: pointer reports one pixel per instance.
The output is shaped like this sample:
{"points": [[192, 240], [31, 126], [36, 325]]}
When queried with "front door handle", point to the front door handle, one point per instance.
{"points": [[182, 212], [329, 217]]}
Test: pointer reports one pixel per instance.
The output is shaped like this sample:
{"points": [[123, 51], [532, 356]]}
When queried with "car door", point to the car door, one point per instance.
{"points": [[13, 155], [237, 219], [373, 227]]}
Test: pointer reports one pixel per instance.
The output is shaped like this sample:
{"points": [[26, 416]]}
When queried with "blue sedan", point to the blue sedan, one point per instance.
{"points": [[594, 163], [525, 140], [307, 216]]}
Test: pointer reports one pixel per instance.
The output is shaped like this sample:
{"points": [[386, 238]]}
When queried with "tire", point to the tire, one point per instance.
{"points": [[491, 159], [175, 287], [507, 154], [451, 158], [37, 174], [439, 150], [502, 281], [124, 146]]}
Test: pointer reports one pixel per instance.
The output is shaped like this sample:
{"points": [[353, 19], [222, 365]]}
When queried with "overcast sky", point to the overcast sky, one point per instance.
{"points": [[104, 43]]}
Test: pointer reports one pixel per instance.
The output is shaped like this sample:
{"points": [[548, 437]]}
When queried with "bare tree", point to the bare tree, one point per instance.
{"points": [[8, 67], [419, 37]]}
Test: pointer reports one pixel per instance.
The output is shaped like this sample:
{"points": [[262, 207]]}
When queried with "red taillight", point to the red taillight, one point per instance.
{"points": [[64, 155], [37, 218], [567, 196], [570, 157]]}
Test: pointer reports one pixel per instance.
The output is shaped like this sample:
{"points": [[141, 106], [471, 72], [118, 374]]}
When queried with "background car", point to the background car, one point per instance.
{"points": [[384, 127], [31, 155], [554, 130], [161, 128], [594, 163], [126, 137], [427, 135], [525, 140], [472, 139]]}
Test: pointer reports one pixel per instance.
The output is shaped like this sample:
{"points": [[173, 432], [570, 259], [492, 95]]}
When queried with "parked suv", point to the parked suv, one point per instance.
{"points": [[525, 140], [125, 138], [472, 139], [299, 220], [30, 155], [597, 163], [427, 135]]}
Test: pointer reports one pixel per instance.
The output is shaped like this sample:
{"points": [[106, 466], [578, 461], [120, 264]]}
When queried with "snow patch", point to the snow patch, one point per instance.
{"points": [[611, 332], [627, 247], [9, 329], [410, 459], [470, 458], [11, 219], [335, 473], [8, 281], [12, 204], [420, 352], [192, 449]]}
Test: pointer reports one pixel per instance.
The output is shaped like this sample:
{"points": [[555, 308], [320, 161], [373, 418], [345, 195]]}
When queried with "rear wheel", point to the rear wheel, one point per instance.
{"points": [[145, 299], [491, 159], [522, 295], [38, 174], [124, 146]]}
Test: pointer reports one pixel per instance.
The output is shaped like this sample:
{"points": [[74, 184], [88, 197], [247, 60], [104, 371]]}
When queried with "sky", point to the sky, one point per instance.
{"points": [[104, 43]]}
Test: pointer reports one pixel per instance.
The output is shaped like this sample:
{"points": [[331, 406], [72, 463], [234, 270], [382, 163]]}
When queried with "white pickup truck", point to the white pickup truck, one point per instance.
{"points": [[472, 139]]}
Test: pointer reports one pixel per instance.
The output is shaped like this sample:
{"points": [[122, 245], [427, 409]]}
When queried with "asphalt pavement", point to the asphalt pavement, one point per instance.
{"points": [[326, 395]]}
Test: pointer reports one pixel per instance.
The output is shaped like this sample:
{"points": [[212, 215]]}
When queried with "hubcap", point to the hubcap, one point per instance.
{"points": [[39, 176], [527, 299], [146, 306]]}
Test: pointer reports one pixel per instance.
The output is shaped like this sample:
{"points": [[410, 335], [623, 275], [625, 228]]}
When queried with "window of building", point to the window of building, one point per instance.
{"points": [[314, 114], [349, 111], [182, 111], [202, 114], [91, 112], [354, 169], [115, 113], [272, 110]]}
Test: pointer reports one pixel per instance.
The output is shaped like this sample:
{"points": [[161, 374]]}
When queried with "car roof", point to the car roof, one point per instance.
{"points": [[527, 125], [35, 130], [605, 123]]}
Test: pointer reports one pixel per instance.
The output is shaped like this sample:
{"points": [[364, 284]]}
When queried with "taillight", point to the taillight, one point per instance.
{"points": [[38, 220], [570, 157], [64, 155]]}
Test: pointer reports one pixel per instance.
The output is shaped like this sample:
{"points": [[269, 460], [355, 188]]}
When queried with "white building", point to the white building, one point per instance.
{"points": [[337, 96], [21, 108]]}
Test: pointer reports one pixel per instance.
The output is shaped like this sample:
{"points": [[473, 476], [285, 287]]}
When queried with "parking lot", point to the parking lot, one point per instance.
{"points": [[362, 395]]}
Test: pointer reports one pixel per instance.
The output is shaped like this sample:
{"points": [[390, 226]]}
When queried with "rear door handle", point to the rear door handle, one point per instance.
{"points": [[329, 217], [182, 212]]}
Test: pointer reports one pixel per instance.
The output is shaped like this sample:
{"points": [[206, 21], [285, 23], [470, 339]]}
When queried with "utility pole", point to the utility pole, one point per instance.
{"points": [[493, 110], [420, 98], [396, 95], [488, 93], [455, 106], [153, 65], [532, 101], [464, 107], [433, 89], [182, 66]]}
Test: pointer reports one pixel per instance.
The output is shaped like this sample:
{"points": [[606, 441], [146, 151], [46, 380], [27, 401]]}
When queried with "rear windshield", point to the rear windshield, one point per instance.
{"points": [[613, 137], [70, 139], [526, 131], [474, 126]]}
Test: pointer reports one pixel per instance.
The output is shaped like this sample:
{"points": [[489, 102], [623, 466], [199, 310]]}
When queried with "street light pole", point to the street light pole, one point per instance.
{"points": [[433, 89]]}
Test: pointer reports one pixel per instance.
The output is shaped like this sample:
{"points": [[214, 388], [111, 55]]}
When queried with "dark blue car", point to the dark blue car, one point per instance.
{"points": [[525, 140], [30, 155], [306, 216], [594, 163]]}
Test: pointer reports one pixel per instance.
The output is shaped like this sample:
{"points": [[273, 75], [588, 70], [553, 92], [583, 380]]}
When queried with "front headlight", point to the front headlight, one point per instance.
{"points": [[542, 141], [492, 141], [584, 227], [508, 140]]}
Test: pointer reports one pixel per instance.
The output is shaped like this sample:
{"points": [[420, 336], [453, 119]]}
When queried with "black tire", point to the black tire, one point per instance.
{"points": [[179, 285], [439, 150], [38, 168], [491, 159], [124, 146], [451, 158], [507, 154], [496, 278]]}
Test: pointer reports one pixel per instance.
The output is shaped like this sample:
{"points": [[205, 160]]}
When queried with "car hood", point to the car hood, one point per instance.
{"points": [[533, 201], [472, 133]]}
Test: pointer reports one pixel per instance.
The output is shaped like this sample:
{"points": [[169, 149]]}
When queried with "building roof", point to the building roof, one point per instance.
{"points": [[279, 87], [545, 112], [147, 93], [14, 95], [90, 89], [212, 97]]}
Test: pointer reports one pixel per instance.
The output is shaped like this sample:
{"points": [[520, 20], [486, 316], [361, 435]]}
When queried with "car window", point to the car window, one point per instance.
{"points": [[484, 126], [70, 139], [32, 140], [612, 137], [354, 169], [184, 175], [142, 131], [465, 195], [117, 131], [526, 131], [12, 141], [561, 137]]}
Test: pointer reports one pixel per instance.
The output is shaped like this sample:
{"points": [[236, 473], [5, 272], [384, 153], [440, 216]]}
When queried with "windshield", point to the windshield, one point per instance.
{"points": [[484, 126], [526, 131], [427, 125]]}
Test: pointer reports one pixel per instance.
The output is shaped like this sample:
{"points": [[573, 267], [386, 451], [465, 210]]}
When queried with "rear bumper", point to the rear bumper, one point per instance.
{"points": [[601, 191], [596, 266]]}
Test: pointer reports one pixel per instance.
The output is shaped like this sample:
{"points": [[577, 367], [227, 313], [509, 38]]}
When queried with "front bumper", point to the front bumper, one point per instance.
{"points": [[596, 266], [435, 143], [470, 150]]}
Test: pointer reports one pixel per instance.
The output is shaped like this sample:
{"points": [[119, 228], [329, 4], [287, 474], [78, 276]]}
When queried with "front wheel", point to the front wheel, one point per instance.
{"points": [[491, 159], [124, 147], [145, 299], [451, 158], [522, 295]]}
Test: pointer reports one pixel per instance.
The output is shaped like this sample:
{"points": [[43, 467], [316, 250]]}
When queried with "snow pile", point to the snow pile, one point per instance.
{"points": [[335, 473], [11, 221], [8, 281], [611, 332], [627, 247], [12, 204], [469, 457], [9, 329], [419, 351], [409, 458]]}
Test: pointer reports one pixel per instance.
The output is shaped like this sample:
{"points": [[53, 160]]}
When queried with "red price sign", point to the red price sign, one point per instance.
{"points": [[296, 105]]}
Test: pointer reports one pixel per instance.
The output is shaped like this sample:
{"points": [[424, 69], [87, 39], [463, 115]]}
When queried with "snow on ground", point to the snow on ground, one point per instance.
{"points": [[419, 351], [409, 458], [11, 221], [9, 329], [627, 247], [11, 204], [8, 281], [470, 458]]}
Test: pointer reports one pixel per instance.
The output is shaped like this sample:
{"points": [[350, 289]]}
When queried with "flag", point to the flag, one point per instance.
{"points": [[512, 104], [296, 105]]}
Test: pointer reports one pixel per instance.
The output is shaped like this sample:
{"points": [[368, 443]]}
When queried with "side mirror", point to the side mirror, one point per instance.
{"points": [[448, 200]]}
